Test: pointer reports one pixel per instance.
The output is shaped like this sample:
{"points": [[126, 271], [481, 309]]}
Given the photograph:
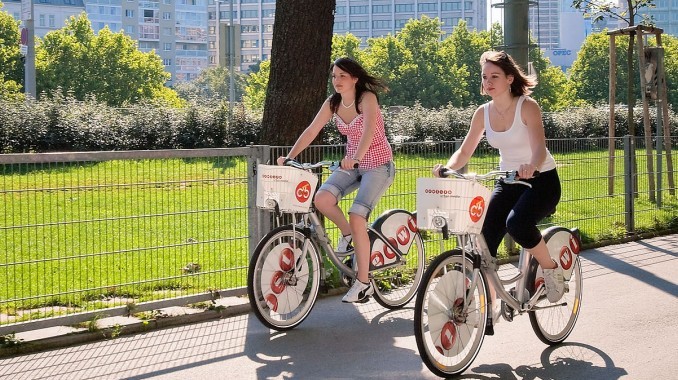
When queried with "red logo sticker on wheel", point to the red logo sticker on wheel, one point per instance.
{"points": [[303, 191], [448, 335], [272, 302], [286, 259], [565, 258], [476, 208], [277, 282]]}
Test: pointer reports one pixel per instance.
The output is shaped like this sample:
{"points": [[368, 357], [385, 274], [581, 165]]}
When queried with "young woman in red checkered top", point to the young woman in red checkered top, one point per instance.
{"points": [[367, 165]]}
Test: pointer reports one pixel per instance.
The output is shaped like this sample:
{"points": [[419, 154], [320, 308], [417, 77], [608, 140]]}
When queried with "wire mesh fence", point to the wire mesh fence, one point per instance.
{"points": [[120, 232]]}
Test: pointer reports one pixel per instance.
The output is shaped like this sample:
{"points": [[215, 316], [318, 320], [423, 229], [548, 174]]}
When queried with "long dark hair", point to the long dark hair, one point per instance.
{"points": [[522, 83], [366, 82]]}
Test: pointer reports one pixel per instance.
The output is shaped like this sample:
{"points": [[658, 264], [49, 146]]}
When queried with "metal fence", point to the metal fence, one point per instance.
{"points": [[112, 233]]}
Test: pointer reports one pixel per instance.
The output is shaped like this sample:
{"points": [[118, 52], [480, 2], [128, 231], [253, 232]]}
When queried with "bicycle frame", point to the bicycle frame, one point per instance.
{"points": [[319, 235], [484, 262]]}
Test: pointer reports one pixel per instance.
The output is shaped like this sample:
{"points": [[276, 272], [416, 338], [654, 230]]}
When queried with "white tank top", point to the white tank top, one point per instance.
{"points": [[513, 150]]}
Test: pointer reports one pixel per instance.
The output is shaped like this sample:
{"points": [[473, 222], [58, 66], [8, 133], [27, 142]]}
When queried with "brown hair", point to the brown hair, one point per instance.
{"points": [[522, 83], [366, 82]]}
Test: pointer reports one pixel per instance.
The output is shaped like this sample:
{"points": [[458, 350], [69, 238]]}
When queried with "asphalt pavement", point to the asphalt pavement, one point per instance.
{"points": [[627, 329]]}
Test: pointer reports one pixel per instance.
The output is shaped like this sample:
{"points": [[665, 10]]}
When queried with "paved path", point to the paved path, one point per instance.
{"points": [[627, 329]]}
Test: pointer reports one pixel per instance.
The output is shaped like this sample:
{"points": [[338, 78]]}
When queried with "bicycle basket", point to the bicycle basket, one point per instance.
{"points": [[462, 204], [290, 188]]}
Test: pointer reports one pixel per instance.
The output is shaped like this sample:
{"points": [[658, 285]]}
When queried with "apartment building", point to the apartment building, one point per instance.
{"points": [[48, 15], [253, 22]]}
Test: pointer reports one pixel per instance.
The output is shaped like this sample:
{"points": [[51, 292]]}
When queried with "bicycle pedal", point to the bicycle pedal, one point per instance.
{"points": [[506, 311]]}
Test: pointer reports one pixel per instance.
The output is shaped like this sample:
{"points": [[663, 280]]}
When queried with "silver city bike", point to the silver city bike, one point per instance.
{"points": [[455, 306], [290, 264]]}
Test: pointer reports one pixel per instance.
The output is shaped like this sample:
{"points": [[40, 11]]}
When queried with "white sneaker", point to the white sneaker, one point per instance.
{"points": [[344, 246], [359, 292], [555, 283]]}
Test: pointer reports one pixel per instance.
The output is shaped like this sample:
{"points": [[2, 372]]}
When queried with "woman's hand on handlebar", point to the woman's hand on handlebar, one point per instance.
{"points": [[281, 160], [348, 163], [437, 170], [527, 171]]}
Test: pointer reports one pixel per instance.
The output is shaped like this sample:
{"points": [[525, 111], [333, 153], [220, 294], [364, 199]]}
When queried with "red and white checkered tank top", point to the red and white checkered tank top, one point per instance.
{"points": [[379, 151]]}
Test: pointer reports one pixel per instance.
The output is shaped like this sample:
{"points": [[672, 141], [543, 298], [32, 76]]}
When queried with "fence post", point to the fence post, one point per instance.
{"points": [[628, 184], [259, 223]]}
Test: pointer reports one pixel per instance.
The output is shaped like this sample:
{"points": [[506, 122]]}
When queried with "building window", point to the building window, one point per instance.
{"points": [[468, 5], [342, 10], [268, 43], [213, 59], [166, 15], [268, 13], [212, 45], [167, 46], [250, 14], [129, 13], [249, 28], [166, 31], [212, 30], [381, 24], [167, 62], [400, 23], [340, 25], [42, 21], [268, 28], [381, 9], [129, 29], [358, 9], [249, 43], [51, 21], [404, 8], [359, 25], [427, 7]]}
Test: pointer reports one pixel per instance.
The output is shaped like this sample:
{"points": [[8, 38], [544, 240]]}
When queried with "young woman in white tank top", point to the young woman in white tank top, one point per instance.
{"points": [[512, 123]]}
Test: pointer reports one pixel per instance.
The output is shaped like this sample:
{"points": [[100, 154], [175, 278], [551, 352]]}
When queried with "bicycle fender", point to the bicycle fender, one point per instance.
{"points": [[399, 227], [564, 246]]}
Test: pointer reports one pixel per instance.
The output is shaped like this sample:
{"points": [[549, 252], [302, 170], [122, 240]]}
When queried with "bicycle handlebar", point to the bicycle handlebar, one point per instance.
{"points": [[332, 165], [508, 176]]}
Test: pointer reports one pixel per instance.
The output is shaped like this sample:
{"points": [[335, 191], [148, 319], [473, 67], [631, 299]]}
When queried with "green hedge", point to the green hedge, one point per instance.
{"points": [[70, 125]]}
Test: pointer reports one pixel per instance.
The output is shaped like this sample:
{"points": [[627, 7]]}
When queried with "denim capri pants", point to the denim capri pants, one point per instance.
{"points": [[371, 185]]}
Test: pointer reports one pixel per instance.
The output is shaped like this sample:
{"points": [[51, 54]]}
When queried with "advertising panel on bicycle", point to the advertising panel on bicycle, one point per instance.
{"points": [[459, 203], [290, 188]]}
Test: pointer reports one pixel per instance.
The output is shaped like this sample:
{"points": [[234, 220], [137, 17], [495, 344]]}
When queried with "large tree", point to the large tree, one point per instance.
{"points": [[300, 59], [108, 66]]}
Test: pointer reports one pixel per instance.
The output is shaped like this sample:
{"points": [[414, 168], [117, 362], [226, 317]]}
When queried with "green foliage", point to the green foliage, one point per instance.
{"points": [[255, 91], [67, 124], [107, 66], [420, 65], [11, 67], [212, 84]]}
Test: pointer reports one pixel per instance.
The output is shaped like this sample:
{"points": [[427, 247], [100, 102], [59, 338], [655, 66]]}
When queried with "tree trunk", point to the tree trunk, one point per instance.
{"points": [[300, 59]]}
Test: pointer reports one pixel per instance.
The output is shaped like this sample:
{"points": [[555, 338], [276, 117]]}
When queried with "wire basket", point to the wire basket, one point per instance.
{"points": [[290, 188], [458, 203]]}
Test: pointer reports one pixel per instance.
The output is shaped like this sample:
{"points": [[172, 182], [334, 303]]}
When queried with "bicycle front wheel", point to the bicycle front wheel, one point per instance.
{"points": [[449, 317], [396, 286], [553, 322], [284, 278]]}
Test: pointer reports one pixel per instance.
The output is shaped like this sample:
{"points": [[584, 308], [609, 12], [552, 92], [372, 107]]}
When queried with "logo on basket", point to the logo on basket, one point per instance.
{"points": [[476, 209], [303, 191]]}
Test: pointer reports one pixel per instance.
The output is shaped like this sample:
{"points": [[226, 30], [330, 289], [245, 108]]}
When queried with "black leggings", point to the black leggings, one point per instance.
{"points": [[517, 209]]}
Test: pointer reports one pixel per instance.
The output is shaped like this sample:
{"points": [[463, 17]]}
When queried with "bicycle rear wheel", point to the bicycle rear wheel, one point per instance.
{"points": [[396, 286], [553, 322], [284, 278], [448, 335]]}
